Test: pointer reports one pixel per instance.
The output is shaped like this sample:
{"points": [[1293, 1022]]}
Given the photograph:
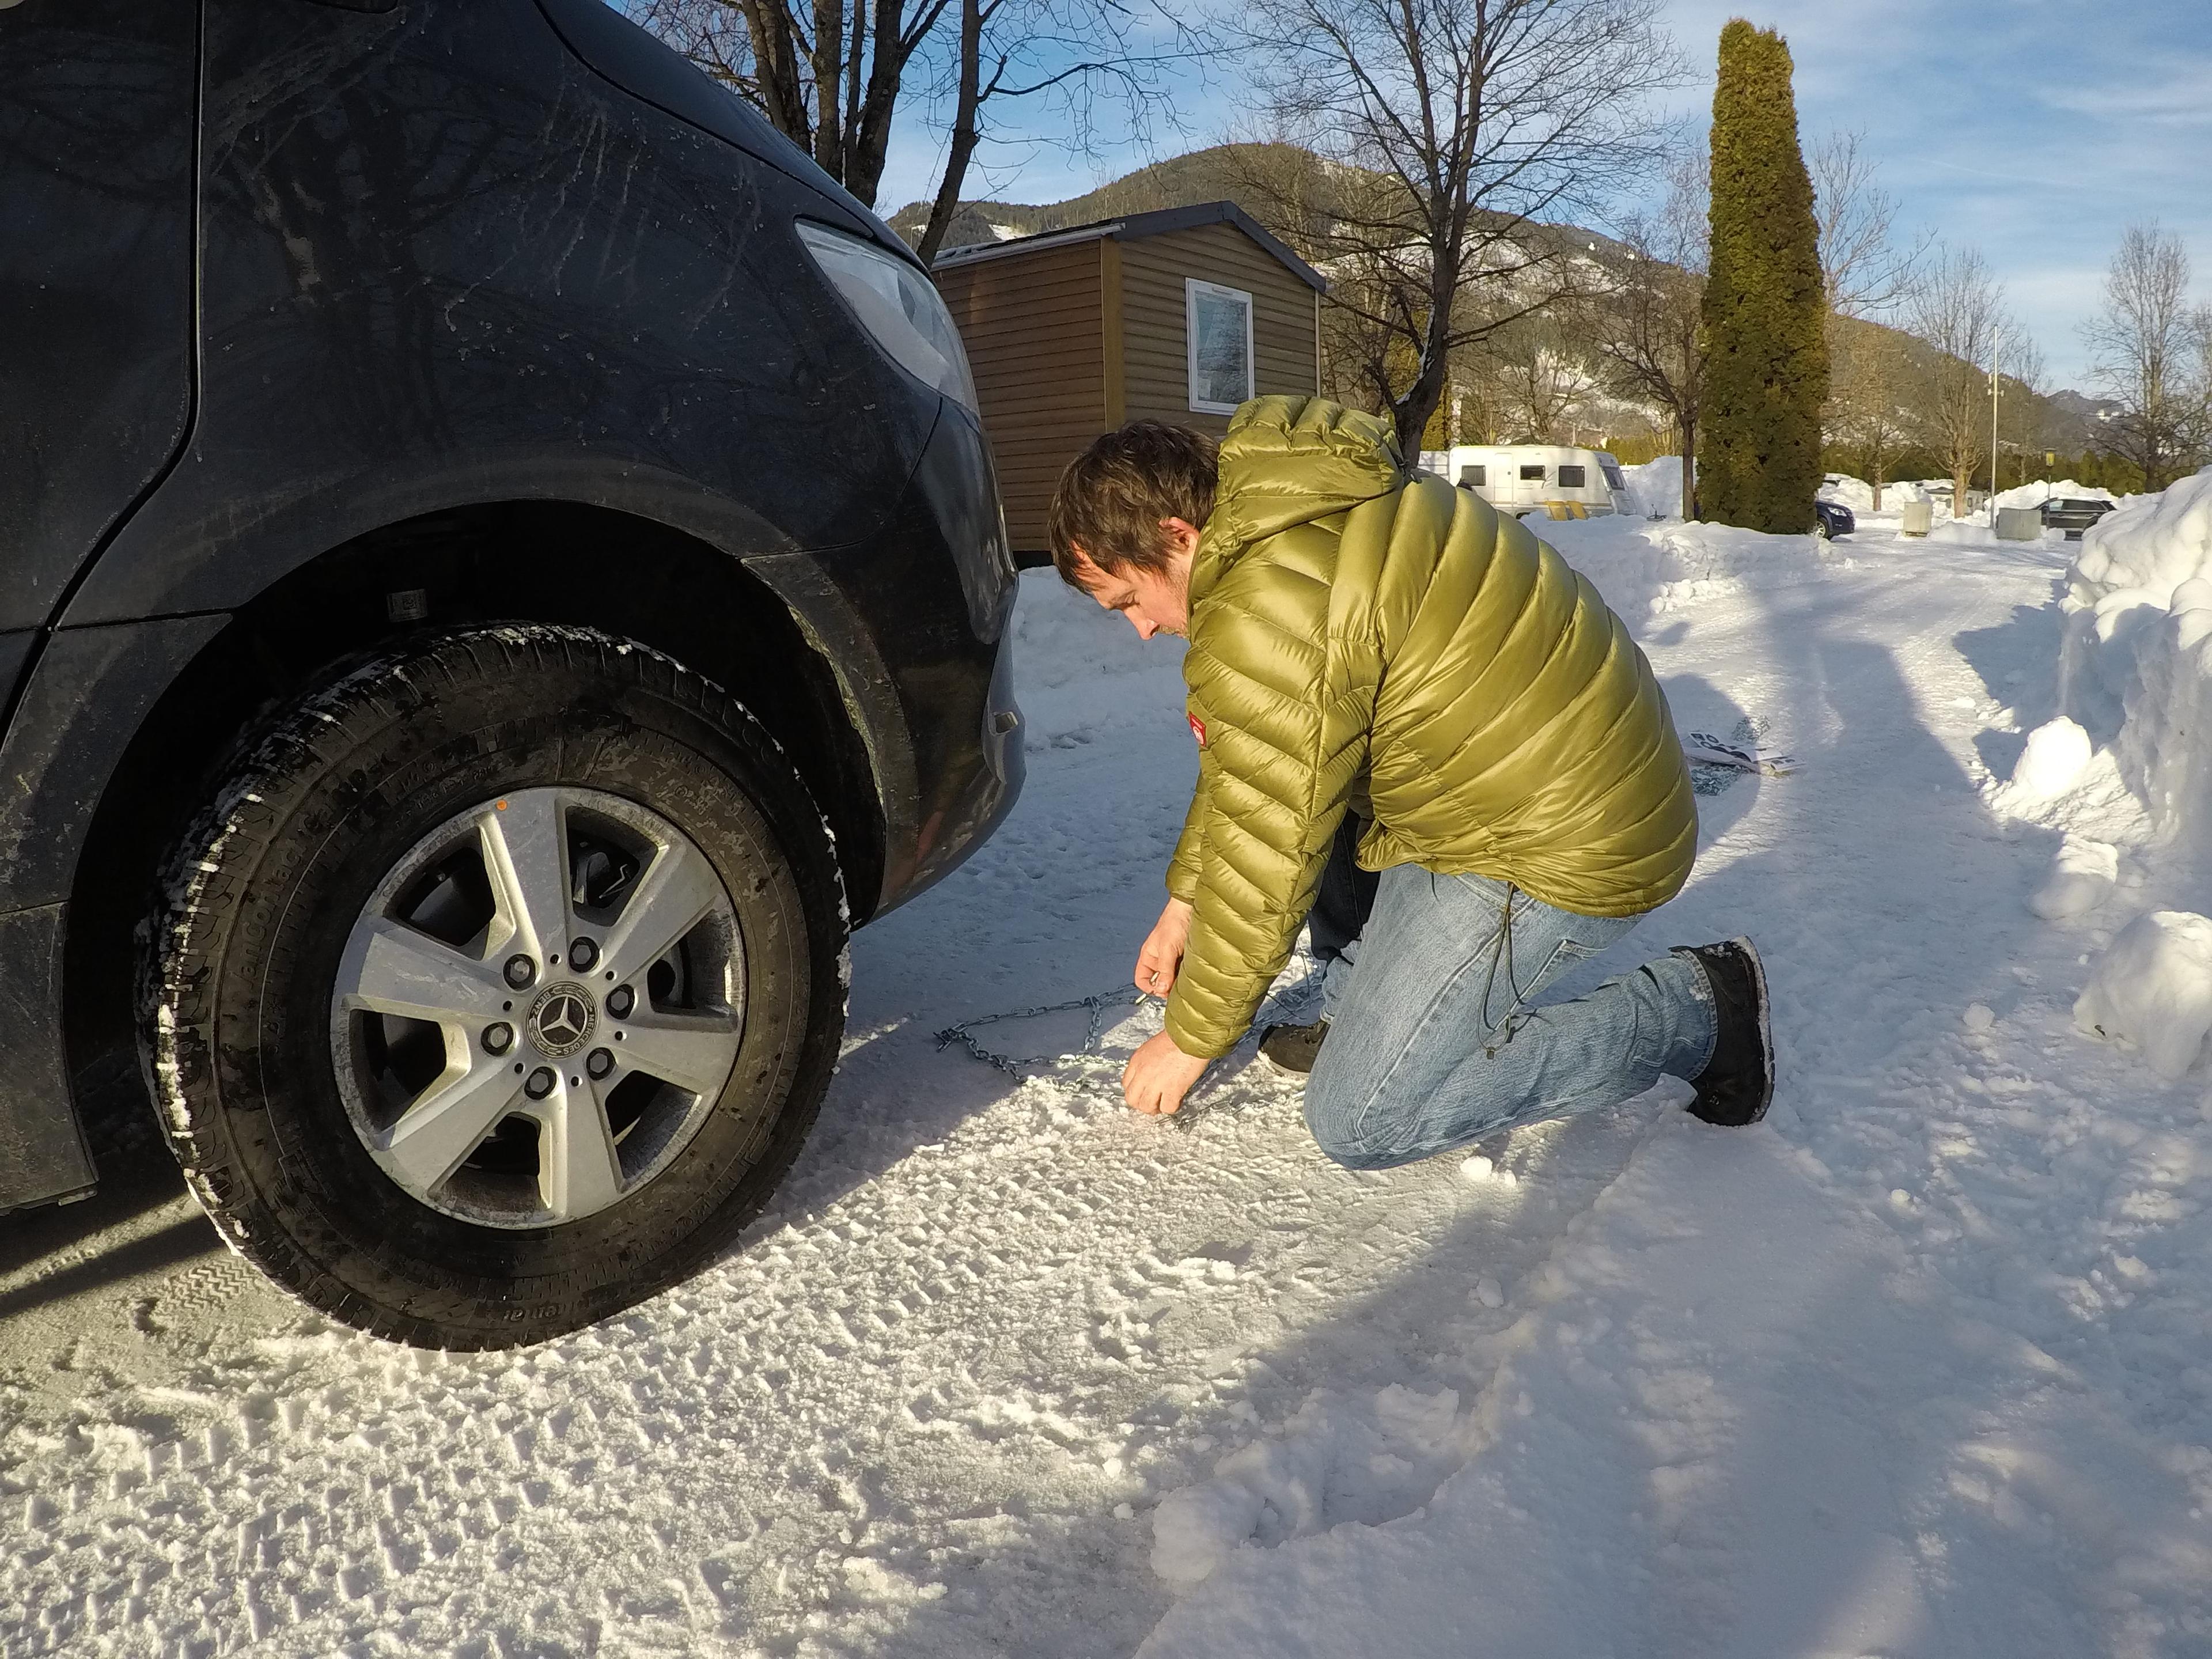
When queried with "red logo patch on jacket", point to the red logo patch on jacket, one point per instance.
{"points": [[1197, 727]]}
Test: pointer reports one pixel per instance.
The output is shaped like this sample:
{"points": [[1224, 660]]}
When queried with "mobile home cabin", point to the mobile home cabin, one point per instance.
{"points": [[1519, 478], [1178, 315]]}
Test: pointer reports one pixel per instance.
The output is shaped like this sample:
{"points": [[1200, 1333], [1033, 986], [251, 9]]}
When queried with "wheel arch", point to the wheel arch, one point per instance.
{"points": [[771, 631]]}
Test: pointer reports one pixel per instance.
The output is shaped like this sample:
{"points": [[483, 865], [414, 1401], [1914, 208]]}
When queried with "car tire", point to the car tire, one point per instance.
{"points": [[401, 849]]}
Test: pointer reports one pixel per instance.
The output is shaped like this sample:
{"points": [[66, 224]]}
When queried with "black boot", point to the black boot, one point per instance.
{"points": [[1291, 1049], [1738, 1081]]}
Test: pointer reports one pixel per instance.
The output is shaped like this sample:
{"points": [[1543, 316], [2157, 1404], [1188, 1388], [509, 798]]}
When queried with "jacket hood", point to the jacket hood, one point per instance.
{"points": [[1288, 461]]}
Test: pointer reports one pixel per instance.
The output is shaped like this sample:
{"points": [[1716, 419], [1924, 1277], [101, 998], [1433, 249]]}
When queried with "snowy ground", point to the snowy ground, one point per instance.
{"points": [[1922, 1366]]}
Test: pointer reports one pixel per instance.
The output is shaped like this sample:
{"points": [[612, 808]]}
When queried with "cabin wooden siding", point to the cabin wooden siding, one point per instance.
{"points": [[1032, 329], [1069, 341], [1155, 326]]}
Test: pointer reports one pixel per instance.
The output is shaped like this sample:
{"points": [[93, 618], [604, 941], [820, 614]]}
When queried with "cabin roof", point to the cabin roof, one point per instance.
{"points": [[1133, 226]]}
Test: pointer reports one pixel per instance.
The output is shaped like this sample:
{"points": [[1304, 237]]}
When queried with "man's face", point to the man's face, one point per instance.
{"points": [[1155, 602]]}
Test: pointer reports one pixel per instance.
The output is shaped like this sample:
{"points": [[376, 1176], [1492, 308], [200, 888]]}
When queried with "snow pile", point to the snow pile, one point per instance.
{"points": [[2154, 987], [2056, 754], [1857, 493], [1973, 530], [2063, 781], [1645, 568], [1335, 1462], [2039, 490], [2135, 666], [2153, 544], [2081, 877], [1656, 487]]}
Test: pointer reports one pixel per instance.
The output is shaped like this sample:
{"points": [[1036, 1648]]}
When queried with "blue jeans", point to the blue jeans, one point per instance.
{"points": [[1437, 1037]]}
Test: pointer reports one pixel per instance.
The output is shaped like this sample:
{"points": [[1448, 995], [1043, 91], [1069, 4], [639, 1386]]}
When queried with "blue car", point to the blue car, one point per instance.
{"points": [[1832, 519]]}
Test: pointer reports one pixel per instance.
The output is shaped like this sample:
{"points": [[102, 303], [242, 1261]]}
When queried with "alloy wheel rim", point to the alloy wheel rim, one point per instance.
{"points": [[538, 1007]]}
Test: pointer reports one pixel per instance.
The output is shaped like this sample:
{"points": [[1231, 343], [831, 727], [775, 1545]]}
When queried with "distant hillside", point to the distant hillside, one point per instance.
{"points": [[2078, 422], [1224, 172]]}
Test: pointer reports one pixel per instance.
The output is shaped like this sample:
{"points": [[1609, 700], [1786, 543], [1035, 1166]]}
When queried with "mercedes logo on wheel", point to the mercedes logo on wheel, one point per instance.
{"points": [[561, 1019]]}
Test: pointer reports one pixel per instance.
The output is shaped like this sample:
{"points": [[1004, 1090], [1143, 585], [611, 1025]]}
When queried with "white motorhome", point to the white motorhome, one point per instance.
{"points": [[1526, 478]]}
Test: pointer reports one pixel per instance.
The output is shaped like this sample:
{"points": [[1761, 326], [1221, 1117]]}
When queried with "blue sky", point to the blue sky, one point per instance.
{"points": [[2035, 130]]}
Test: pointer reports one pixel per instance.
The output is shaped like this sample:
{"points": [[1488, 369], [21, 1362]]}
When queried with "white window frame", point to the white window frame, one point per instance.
{"points": [[1192, 288]]}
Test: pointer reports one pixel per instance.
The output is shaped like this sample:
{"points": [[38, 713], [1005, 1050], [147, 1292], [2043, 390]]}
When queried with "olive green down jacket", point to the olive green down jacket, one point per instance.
{"points": [[1358, 632]]}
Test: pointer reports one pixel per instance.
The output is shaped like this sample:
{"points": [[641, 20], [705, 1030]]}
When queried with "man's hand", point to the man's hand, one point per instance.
{"points": [[1161, 958], [1159, 1074]]}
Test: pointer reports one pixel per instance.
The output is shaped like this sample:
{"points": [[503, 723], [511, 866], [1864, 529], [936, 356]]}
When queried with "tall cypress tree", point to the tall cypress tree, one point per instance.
{"points": [[1766, 356]]}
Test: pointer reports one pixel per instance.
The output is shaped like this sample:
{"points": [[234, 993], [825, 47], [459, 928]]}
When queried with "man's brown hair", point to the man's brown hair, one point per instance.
{"points": [[1111, 499]]}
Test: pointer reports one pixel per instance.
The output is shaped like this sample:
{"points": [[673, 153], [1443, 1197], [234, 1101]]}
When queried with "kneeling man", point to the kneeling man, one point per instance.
{"points": [[1381, 669]]}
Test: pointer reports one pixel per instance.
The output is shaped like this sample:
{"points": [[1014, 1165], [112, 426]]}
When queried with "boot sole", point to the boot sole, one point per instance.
{"points": [[1766, 1024]]}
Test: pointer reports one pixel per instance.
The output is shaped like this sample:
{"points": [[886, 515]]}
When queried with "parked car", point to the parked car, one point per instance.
{"points": [[1832, 519], [1522, 477], [2073, 514], [499, 568]]}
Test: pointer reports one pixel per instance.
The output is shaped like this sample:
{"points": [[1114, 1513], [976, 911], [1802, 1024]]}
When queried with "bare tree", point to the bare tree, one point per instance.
{"points": [[1073, 52], [828, 78], [2150, 355], [1537, 377], [2021, 407], [1870, 402], [1959, 312], [1649, 328], [1860, 264], [1454, 126], [832, 79], [1864, 274]]}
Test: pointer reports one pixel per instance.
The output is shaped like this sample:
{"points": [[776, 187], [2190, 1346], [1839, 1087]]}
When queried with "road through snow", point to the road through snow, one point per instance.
{"points": [[1922, 1366]]}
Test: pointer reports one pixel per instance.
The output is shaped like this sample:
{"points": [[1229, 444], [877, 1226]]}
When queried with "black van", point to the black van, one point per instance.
{"points": [[499, 569]]}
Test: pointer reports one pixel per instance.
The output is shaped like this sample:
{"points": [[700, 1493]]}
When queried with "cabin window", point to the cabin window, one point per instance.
{"points": [[1571, 477], [1218, 326], [1533, 474], [1476, 476], [1610, 468]]}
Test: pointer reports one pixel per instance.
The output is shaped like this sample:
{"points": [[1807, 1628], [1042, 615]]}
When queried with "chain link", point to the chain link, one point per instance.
{"points": [[1011, 1064], [1095, 1032]]}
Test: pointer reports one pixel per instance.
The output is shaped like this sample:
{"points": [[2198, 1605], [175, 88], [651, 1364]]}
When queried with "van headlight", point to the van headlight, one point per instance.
{"points": [[899, 308]]}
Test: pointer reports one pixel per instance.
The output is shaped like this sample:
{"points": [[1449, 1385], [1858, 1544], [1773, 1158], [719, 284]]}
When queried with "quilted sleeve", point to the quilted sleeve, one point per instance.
{"points": [[1267, 811], [1190, 846]]}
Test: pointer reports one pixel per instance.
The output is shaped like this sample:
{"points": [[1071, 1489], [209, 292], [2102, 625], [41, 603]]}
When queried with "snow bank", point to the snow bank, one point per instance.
{"points": [[2154, 987], [2135, 664], [1645, 567], [1657, 486], [2154, 545], [2039, 490], [1857, 493]]}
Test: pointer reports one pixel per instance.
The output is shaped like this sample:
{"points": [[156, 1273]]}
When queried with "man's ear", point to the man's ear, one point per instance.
{"points": [[1181, 535]]}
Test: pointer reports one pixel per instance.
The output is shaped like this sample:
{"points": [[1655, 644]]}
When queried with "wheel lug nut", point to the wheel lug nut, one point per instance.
{"points": [[582, 954], [539, 1083], [520, 970], [498, 1038], [621, 1001], [599, 1062]]}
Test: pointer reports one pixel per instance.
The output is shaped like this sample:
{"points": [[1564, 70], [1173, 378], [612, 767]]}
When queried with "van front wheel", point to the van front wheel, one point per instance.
{"points": [[500, 988]]}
